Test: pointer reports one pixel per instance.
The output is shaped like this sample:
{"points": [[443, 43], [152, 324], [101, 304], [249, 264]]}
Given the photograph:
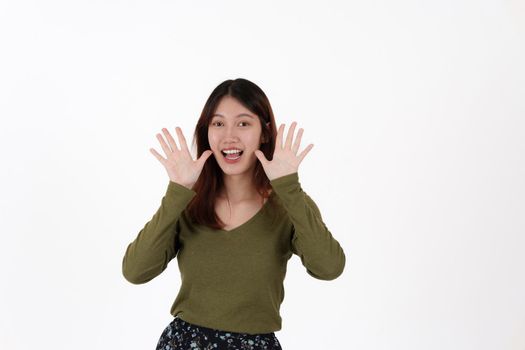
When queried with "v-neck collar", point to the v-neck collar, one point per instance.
{"points": [[250, 220]]}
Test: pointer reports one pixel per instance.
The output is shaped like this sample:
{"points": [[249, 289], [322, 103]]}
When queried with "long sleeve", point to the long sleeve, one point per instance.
{"points": [[157, 243], [320, 253]]}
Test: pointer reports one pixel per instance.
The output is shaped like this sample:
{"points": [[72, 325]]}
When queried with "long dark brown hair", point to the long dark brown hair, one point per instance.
{"points": [[201, 209]]}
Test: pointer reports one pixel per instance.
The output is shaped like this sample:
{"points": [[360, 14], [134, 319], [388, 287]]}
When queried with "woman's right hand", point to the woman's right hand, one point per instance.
{"points": [[179, 164]]}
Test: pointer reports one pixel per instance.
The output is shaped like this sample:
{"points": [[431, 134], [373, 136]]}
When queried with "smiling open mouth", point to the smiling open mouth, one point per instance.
{"points": [[232, 155]]}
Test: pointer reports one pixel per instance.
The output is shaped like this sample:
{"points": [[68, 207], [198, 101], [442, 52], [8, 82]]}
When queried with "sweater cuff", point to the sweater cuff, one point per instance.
{"points": [[179, 191], [285, 181]]}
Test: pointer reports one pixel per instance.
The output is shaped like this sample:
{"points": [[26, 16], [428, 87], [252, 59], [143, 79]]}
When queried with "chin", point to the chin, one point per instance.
{"points": [[236, 169]]}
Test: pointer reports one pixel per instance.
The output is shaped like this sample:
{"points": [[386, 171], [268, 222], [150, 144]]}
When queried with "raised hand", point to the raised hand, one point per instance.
{"points": [[285, 160], [179, 164]]}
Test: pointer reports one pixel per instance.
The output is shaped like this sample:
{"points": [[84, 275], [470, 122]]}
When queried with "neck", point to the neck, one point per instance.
{"points": [[239, 187]]}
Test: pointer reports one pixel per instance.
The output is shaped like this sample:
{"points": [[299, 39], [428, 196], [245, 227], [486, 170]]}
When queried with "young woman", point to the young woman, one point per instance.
{"points": [[233, 221]]}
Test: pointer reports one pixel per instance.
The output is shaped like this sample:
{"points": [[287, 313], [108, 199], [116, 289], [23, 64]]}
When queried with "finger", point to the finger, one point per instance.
{"points": [[182, 140], [289, 137], [305, 152], [163, 144], [280, 136], [157, 155], [171, 141], [297, 142]]}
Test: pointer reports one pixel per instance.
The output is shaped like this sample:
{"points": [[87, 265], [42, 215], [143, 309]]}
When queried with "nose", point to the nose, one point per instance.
{"points": [[230, 133]]}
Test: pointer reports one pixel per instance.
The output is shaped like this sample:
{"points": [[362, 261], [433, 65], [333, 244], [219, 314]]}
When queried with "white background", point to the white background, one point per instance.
{"points": [[416, 111]]}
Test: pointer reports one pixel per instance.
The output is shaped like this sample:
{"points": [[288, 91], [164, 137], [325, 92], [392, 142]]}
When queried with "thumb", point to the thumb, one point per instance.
{"points": [[260, 156], [204, 156]]}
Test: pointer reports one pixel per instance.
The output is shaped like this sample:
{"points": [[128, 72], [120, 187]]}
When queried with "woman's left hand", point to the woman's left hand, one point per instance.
{"points": [[285, 160]]}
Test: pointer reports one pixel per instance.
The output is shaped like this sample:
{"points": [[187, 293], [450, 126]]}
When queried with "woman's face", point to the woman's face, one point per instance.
{"points": [[234, 126]]}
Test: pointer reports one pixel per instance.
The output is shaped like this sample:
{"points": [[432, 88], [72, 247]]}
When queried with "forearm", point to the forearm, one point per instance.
{"points": [[156, 244]]}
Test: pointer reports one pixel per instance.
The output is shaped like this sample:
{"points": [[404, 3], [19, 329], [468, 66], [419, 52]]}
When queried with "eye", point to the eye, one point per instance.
{"points": [[213, 123]]}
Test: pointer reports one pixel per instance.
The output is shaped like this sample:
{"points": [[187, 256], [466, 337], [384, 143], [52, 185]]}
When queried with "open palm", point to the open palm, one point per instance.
{"points": [[179, 164], [285, 160]]}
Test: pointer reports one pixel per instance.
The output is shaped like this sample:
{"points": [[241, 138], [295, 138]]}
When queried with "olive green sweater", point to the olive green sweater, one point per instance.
{"points": [[233, 280]]}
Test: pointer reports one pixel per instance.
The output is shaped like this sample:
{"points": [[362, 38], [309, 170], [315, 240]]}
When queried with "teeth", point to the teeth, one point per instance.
{"points": [[233, 151]]}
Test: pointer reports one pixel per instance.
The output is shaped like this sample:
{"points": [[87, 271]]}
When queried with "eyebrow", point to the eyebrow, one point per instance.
{"points": [[240, 115]]}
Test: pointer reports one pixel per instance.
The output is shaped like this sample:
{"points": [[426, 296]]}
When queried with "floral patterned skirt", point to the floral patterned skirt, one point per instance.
{"points": [[180, 334]]}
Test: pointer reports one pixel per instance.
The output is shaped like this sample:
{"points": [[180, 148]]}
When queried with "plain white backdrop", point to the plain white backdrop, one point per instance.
{"points": [[416, 111]]}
